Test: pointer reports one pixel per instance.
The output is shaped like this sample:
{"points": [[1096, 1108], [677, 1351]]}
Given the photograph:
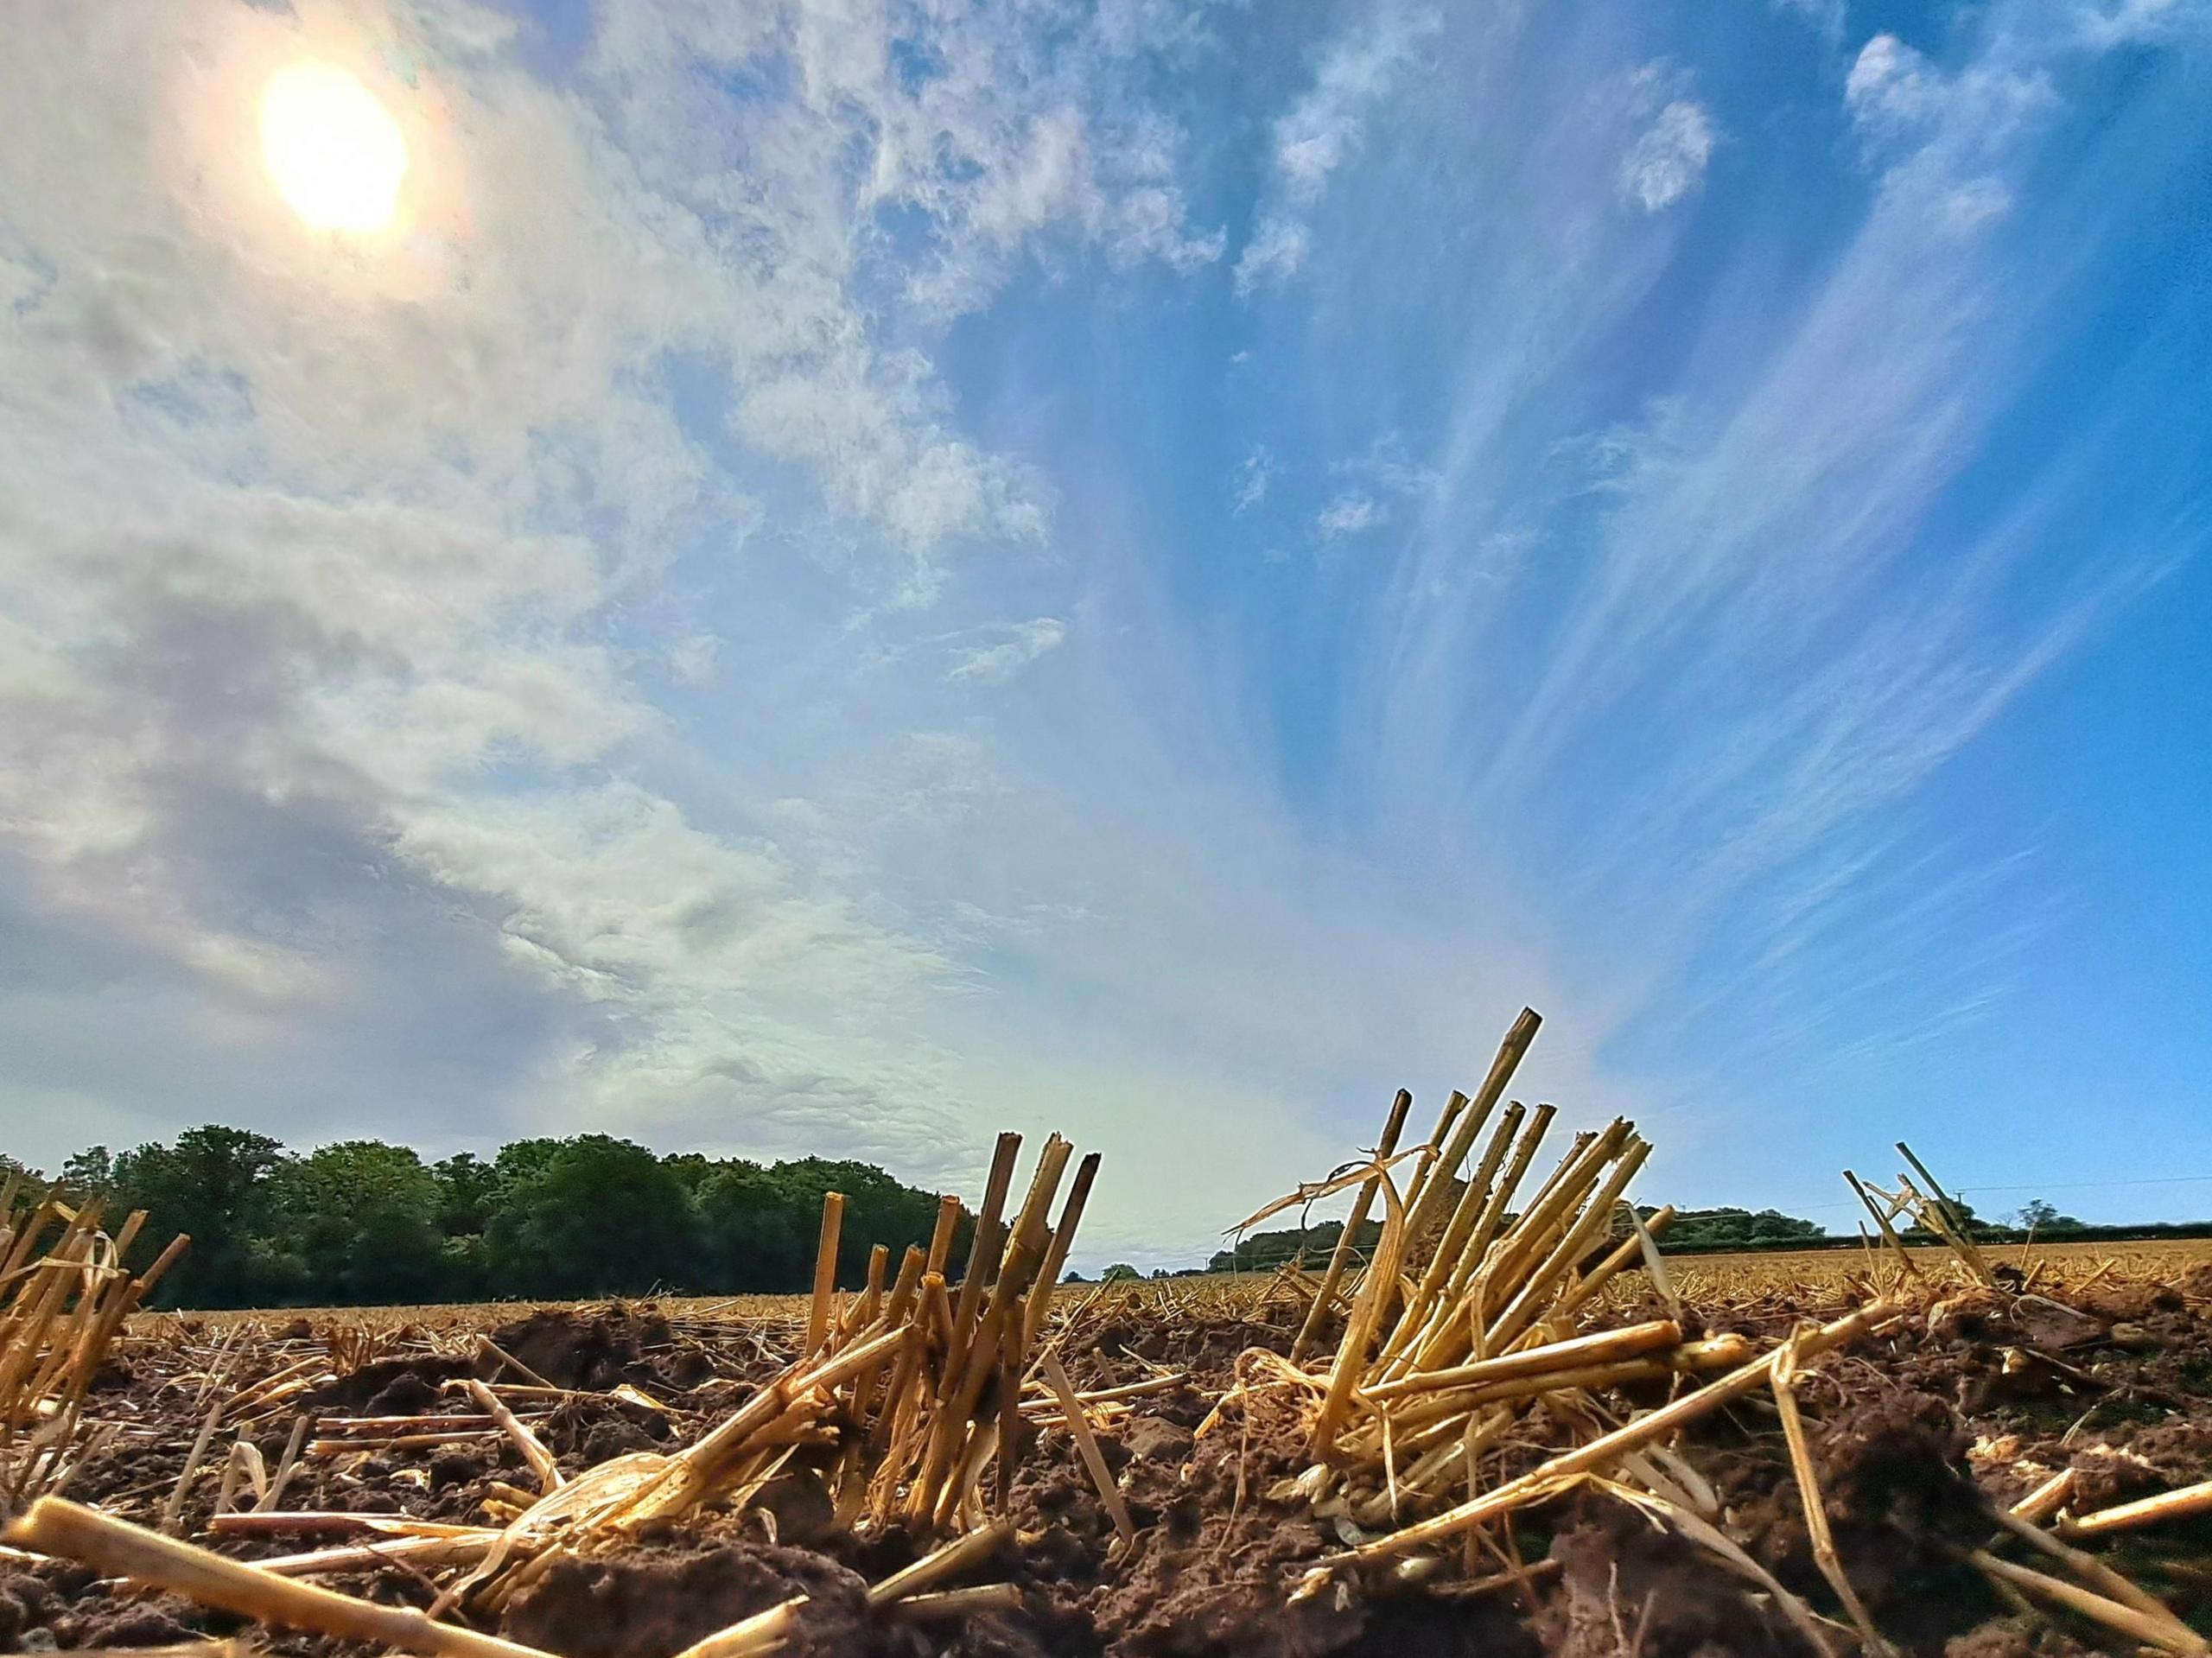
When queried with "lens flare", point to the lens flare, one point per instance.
{"points": [[335, 154]]}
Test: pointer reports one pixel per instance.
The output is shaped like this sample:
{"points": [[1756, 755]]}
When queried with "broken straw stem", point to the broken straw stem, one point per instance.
{"points": [[54, 1525], [2127, 1620], [1605, 1344], [532, 1447], [2047, 1499], [1598, 1452], [2144, 1511], [751, 1637], [825, 1273], [950, 1560], [1086, 1442], [946, 1604]]}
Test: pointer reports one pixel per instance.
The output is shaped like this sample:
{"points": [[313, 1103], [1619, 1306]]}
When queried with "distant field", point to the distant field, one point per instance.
{"points": [[2070, 1263], [480, 1315], [1730, 1277], [1719, 1277]]}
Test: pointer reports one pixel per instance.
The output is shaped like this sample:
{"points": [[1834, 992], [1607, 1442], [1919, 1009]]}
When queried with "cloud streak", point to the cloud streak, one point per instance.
{"points": [[1323, 130]]}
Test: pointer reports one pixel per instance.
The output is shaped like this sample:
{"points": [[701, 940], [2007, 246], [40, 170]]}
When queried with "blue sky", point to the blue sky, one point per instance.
{"points": [[849, 575]]}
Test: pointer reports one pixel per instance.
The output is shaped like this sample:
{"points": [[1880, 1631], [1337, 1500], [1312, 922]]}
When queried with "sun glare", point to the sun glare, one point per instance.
{"points": [[332, 151]]}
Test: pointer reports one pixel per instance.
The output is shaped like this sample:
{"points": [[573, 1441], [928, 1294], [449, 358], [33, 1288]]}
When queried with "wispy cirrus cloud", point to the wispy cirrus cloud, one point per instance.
{"points": [[1004, 652], [1322, 131], [1254, 474], [1734, 643], [1275, 253], [1702, 656], [1348, 514]]}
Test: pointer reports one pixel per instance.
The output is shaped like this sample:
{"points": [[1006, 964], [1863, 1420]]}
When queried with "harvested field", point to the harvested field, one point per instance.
{"points": [[1509, 1436], [2059, 1265], [1716, 1278], [1911, 1434]]}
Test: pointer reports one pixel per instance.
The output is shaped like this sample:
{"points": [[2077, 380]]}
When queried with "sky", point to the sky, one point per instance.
{"points": [[847, 575]]}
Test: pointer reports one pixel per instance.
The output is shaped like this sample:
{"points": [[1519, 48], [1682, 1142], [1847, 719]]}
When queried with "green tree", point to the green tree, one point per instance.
{"points": [[878, 1210], [591, 1215], [755, 1232], [1265, 1251], [762, 1226], [90, 1172], [1731, 1229], [2038, 1216], [467, 1186], [214, 1184], [366, 1221], [1120, 1273], [691, 1169], [518, 1160], [358, 1222]]}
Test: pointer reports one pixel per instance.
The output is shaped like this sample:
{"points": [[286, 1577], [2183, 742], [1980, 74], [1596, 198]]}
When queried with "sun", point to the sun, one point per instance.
{"points": [[333, 153]]}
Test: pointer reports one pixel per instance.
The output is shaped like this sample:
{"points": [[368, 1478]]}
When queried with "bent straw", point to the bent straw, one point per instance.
{"points": [[1784, 1380], [1324, 1298]]}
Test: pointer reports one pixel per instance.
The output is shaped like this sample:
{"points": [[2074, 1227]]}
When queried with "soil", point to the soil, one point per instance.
{"points": [[1625, 1586], [1913, 1439], [655, 1601], [594, 1352], [394, 1387]]}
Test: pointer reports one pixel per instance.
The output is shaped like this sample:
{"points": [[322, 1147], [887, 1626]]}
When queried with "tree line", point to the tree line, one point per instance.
{"points": [[363, 1222], [1691, 1229], [1711, 1232]]}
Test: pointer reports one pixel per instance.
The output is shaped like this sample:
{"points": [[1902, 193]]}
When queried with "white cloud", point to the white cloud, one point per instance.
{"points": [[328, 559], [1148, 225], [691, 659], [2102, 24], [1277, 253], [1348, 514], [1668, 160], [1005, 651], [1892, 86], [1974, 204], [1014, 139], [1322, 131], [1947, 139], [1249, 485], [1385, 466]]}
